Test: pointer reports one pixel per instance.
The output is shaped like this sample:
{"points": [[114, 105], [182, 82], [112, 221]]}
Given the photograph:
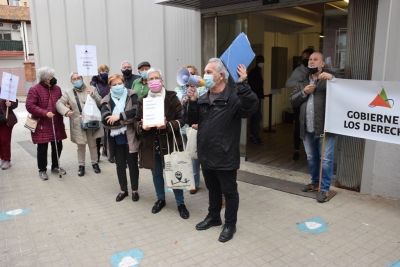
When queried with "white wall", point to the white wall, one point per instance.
{"points": [[121, 30], [381, 171]]}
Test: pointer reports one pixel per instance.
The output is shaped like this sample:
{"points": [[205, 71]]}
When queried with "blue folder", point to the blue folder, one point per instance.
{"points": [[239, 52]]}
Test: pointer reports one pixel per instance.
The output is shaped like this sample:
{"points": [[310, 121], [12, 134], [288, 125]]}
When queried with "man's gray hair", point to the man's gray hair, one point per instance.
{"points": [[45, 73], [154, 70], [220, 67], [122, 64], [73, 73]]}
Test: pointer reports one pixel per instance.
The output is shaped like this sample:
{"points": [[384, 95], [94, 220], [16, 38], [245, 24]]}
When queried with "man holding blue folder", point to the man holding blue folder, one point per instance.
{"points": [[219, 114]]}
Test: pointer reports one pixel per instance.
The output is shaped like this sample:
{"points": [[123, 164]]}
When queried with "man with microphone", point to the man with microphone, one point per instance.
{"points": [[219, 113]]}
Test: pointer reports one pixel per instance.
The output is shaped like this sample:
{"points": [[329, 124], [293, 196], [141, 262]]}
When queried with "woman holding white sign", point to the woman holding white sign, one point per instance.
{"points": [[71, 105], [118, 109], [153, 141], [7, 122]]}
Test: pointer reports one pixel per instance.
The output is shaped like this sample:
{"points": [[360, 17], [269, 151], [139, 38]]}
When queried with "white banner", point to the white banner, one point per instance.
{"points": [[364, 109], [9, 87], [86, 60]]}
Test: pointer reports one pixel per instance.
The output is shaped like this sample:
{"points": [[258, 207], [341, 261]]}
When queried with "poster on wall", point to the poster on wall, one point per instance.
{"points": [[86, 60]]}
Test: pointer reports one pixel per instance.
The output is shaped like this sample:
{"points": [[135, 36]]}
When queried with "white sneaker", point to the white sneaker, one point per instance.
{"points": [[1, 162], [5, 165], [43, 176]]}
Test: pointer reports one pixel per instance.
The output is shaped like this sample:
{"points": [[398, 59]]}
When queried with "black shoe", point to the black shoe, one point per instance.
{"points": [[227, 233], [135, 196], [81, 171], [322, 196], [158, 206], [121, 196], [111, 160], [296, 156], [183, 211], [256, 140], [208, 222], [310, 188], [96, 168]]}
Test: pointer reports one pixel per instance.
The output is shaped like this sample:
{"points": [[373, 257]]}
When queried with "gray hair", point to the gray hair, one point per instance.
{"points": [[45, 73], [154, 70], [220, 67], [122, 64], [72, 74]]}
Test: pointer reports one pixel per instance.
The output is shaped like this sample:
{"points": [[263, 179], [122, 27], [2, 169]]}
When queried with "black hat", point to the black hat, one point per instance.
{"points": [[144, 63]]}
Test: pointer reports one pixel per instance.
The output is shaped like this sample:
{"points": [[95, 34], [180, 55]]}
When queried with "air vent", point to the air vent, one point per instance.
{"points": [[15, 27]]}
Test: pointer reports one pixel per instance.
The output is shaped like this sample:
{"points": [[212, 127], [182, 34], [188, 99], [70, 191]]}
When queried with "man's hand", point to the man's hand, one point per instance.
{"points": [[241, 70], [163, 126], [325, 76], [309, 89], [192, 92], [69, 114], [49, 115]]}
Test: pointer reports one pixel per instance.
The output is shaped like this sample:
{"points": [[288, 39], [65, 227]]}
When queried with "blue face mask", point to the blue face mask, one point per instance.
{"points": [[78, 84], [209, 81], [104, 76], [144, 74], [118, 90]]}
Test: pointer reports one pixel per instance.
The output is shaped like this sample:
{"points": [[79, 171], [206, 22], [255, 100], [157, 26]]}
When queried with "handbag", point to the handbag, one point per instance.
{"points": [[191, 145], [178, 167], [31, 123], [91, 125]]}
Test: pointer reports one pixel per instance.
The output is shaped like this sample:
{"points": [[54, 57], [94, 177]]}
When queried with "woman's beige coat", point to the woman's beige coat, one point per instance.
{"points": [[77, 135]]}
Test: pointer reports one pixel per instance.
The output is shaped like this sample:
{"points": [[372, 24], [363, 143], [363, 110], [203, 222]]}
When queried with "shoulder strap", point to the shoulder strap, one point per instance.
{"points": [[77, 101]]}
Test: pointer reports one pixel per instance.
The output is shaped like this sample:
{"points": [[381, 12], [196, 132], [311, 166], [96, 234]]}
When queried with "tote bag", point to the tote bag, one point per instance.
{"points": [[191, 146], [178, 167]]}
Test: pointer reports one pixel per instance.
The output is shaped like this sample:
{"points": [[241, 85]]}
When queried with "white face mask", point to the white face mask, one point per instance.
{"points": [[261, 65]]}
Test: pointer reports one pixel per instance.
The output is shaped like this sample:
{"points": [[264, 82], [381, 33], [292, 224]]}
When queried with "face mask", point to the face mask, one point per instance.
{"points": [[209, 81], [104, 76], [144, 74], [155, 86], [127, 72], [53, 81], [312, 70], [118, 89], [305, 62], [261, 65], [78, 84]]}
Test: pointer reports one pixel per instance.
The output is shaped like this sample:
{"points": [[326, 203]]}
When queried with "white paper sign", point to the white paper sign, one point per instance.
{"points": [[364, 109], [153, 111], [86, 60], [9, 86]]}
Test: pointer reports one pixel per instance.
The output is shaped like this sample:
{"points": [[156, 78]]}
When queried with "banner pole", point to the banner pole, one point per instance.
{"points": [[321, 160]]}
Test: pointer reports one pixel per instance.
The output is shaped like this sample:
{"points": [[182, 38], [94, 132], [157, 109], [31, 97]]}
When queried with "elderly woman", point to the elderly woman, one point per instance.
{"points": [[100, 81], [6, 127], [71, 105], [41, 103], [181, 94], [153, 141], [118, 110]]}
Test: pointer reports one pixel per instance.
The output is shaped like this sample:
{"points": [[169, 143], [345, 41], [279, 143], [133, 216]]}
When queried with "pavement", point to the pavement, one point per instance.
{"points": [[75, 221]]}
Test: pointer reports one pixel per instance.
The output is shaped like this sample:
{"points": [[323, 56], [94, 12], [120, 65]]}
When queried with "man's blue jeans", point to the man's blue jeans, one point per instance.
{"points": [[313, 147], [195, 166], [158, 180]]}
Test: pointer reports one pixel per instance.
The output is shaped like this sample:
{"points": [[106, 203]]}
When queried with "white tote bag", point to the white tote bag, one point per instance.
{"points": [[191, 145], [178, 167], [90, 112]]}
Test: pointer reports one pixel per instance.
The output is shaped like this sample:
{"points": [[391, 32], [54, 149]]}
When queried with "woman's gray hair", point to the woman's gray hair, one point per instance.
{"points": [[72, 74], [220, 67], [45, 73], [154, 70], [122, 64]]}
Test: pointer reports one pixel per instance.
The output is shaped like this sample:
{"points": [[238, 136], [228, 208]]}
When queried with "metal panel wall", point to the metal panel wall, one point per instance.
{"points": [[121, 30], [359, 54]]}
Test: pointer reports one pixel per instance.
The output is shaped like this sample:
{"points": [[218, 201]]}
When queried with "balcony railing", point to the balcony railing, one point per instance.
{"points": [[7, 45]]}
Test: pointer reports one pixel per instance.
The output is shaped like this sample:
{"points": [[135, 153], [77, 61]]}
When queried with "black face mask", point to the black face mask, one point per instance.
{"points": [[313, 70], [305, 62], [53, 81], [127, 72]]}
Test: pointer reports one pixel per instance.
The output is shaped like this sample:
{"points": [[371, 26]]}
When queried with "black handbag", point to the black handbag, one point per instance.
{"points": [[91, 125]]}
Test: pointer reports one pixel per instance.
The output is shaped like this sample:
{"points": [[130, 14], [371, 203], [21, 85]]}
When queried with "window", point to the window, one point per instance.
{"points": [[5, 35]]}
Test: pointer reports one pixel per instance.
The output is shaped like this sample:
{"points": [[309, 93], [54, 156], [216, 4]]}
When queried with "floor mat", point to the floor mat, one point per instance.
{"points": [[278, 184]]}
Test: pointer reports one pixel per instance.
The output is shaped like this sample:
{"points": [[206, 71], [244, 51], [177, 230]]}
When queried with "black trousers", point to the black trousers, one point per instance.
{"points": [[218, 183], [42, 155], [296, 134], [122, 156]]}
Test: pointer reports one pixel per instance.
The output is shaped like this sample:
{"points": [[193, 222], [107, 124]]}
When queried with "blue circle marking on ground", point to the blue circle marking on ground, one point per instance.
{"points": [[313, 225], [10, 214], [394, 264], [129, 258]]}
